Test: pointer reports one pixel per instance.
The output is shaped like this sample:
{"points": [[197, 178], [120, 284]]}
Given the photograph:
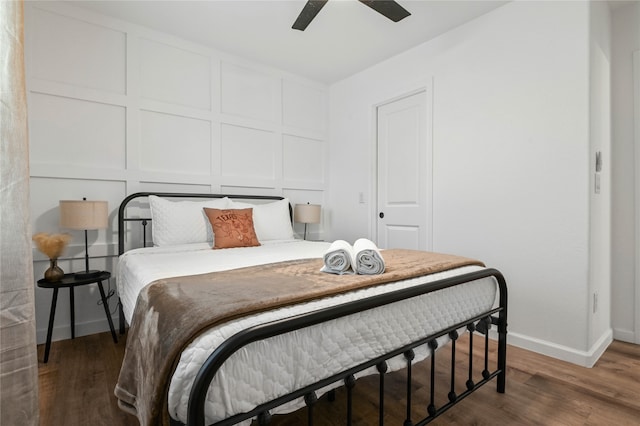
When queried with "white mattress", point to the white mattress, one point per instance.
{"points": [[264, 370]]}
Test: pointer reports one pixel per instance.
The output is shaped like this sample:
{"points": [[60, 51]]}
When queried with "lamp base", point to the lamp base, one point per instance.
{"points": [[86, 274]]}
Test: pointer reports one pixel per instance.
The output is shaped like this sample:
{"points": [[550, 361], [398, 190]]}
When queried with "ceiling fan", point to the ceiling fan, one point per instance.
{"points": [[388, 8]]}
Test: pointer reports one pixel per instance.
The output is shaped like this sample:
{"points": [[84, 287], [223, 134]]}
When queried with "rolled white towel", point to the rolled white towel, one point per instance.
{"points": [[367, 259], [337, 259]]}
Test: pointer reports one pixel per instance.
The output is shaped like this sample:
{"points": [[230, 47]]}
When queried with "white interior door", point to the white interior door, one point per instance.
{"points": [[403, 174]]}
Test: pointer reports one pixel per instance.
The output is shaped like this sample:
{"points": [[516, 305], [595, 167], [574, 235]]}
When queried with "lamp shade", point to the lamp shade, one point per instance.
{"points": [[83, 214], [307, 213]]}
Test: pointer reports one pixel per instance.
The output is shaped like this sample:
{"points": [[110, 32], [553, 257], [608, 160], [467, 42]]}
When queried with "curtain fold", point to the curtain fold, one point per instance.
{"points": [[18, 356]]}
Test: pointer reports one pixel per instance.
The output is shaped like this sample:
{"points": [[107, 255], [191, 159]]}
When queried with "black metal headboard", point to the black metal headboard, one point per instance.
{"points": [[145, 220]]}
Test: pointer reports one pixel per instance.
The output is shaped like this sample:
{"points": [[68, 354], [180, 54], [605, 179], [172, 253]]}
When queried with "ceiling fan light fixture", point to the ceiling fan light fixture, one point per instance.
{"points": [[388, 8], [309, 11]]}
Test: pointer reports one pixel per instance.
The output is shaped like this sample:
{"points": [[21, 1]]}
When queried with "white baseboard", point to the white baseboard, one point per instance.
{"points": [[564, 353], [63, 331], [624, 335]]}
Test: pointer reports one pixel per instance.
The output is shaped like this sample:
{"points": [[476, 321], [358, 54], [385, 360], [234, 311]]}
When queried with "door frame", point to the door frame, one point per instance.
{"points": [[425, 87]]}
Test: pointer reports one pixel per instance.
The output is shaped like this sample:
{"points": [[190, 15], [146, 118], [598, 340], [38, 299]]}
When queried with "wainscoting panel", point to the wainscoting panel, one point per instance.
{"points": [[66, 131], [116, 108], [248, 93], [171, 143], [247, 153], [302, 159], [174, 75], [72, 51], [303, 106]]}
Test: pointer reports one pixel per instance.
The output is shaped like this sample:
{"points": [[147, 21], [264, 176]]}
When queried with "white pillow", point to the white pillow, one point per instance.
{"points": [[182, 222], [272, 221]]}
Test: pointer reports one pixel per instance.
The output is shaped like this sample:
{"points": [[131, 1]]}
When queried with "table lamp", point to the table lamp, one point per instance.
{"points": [[306, 213], [87, 216]]}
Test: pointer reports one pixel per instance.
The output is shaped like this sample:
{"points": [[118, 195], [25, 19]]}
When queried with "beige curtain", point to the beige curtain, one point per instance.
{"points": [[18, 358]]}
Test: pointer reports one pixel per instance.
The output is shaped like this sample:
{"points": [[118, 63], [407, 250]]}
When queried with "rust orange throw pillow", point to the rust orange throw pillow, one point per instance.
{"points": [[232, 228]]}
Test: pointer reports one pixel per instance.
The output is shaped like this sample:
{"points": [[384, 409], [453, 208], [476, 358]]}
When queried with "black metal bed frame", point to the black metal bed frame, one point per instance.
{"points": [[481, 323]]}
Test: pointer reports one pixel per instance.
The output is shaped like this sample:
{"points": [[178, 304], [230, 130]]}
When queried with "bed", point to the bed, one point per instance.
{"points": [[279, 358]]}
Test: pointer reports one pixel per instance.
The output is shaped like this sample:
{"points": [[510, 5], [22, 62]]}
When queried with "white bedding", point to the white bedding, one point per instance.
{"points": [[263, 370]]}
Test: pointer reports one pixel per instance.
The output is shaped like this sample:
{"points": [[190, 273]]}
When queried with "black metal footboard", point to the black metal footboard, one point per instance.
{"points": [[481, 323]]}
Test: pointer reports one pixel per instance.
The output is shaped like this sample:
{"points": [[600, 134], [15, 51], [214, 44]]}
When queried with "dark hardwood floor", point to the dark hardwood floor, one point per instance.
{"points": [[76, 388]]}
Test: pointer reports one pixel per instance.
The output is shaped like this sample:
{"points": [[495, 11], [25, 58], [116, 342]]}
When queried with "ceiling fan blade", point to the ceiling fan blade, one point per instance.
{"points": [[390, 9], [309, 11]]}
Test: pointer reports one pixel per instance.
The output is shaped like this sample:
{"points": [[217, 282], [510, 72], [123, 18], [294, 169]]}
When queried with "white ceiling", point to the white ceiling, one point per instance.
{"points": [[344, 38]]}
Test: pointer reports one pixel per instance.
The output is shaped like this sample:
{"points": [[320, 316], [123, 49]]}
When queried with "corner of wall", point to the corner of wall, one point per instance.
{"points": [[599, 287]]}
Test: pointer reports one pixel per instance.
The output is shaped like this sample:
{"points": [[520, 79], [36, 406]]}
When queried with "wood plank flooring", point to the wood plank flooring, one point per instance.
{"points": [[76, 388]]}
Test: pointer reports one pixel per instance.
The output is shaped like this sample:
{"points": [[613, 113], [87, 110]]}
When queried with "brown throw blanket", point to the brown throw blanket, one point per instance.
{"points": [[171, 312]]}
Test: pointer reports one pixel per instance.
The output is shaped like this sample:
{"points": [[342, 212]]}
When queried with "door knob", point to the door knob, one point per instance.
{"points": [[381, 215]]}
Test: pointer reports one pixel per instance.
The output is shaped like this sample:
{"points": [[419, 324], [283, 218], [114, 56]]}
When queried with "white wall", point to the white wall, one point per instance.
{"points": [[626, 40], [512, 157], [115, 109]]}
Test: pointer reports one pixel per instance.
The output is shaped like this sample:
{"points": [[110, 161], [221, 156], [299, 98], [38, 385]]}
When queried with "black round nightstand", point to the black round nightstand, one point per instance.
{"points": [[71, 281]]}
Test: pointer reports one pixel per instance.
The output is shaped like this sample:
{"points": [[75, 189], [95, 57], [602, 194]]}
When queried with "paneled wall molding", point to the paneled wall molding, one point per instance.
{"points": [[242, 182], [184, 178], [56, 171], [309, 186], [65, 90], [115, 108], [292, 131], [177, 110], [249, 123]]}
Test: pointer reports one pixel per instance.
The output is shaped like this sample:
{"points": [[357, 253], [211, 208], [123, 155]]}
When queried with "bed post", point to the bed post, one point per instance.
{"points": [[502, 334], [121, 232]]}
